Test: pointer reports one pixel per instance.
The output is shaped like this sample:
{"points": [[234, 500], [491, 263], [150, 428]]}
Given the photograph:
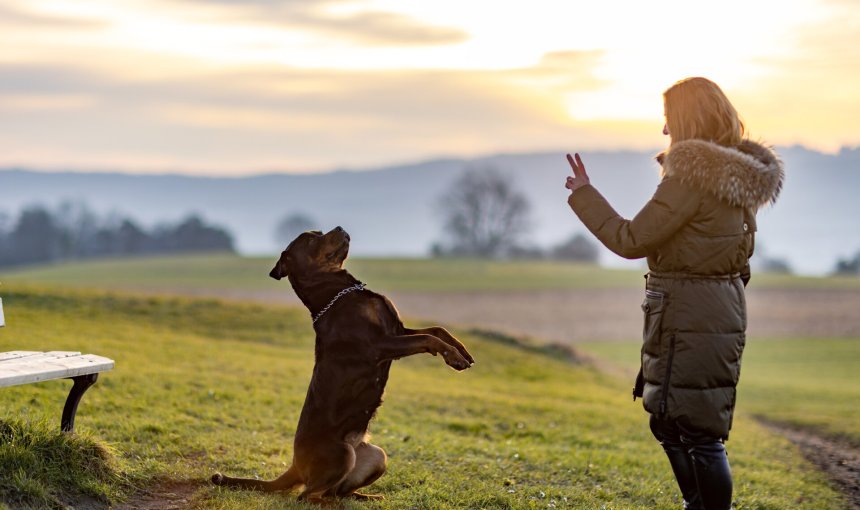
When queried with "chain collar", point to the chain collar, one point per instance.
{"points": [[357, 286]]}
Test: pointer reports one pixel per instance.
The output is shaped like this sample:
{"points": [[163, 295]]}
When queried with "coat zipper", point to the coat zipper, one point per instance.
{"points": [[665, 393]]}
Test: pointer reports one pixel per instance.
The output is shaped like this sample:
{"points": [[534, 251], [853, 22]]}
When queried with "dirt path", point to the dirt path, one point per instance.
{"points": [[163, 496], [839, 460], [571, 316]]}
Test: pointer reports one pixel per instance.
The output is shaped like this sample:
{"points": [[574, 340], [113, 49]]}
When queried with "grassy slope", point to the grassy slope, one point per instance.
{"points": [[209, 272], [202, 386]]}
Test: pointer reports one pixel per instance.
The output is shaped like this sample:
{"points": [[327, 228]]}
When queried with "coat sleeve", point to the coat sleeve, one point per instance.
{"points": [[671, 207]]}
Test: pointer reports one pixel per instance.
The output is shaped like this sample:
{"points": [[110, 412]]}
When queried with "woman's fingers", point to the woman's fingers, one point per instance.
{"points": [[577, 166], [581, 165], [579, 178], [573, 164]]}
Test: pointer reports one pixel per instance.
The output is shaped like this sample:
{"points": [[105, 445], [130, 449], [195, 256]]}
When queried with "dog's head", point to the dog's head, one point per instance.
{"points": [[313, 252]]}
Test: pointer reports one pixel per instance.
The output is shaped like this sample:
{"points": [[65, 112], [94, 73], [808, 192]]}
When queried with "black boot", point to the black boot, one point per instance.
{"points": [[713, 475], [682, 466]]}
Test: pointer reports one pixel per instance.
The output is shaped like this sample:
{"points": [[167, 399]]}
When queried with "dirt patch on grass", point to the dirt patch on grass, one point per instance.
{"points": [[172, 495], [839, 460]]}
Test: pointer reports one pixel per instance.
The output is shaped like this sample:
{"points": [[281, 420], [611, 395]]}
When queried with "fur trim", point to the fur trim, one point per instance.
{"points": [[748, 175]]}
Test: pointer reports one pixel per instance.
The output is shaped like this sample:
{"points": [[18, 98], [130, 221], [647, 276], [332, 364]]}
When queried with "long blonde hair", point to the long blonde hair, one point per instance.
{"points": [[698, 108]]}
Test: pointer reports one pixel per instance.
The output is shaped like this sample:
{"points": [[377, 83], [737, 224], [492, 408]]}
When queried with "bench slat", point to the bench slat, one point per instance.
{"points": [[56, 365], [33, 356], [33, 363], [16, 354], [47, 358]]}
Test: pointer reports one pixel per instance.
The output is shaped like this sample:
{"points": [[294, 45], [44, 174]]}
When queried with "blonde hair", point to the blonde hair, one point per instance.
{"points": [[698, 108]]}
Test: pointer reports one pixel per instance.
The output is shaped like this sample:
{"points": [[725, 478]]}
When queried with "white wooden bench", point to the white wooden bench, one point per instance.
{"points": [[24, 367]]}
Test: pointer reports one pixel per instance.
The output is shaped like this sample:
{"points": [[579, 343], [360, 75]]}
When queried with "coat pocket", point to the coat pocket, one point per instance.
{"points": [[652, 307]]}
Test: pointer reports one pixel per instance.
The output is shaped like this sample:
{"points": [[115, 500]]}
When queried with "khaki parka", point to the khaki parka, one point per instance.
{"points": [[698, 233]]}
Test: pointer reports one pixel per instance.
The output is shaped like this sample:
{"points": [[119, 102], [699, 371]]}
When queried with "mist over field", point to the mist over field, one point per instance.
{"points": [[394, 210]]}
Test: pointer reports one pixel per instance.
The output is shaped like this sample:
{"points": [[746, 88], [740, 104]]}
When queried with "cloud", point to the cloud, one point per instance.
{"points": [[266, 118], [45, 79], [367, 27], [562, 71], [385, 28], [14, 17], [45, 102]]}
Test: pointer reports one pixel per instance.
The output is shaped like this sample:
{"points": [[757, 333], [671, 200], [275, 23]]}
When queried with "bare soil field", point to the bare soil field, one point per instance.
{"points": [[571, 316]]}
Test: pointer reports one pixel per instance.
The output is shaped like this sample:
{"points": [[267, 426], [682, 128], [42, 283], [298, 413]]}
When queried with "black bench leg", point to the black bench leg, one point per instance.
{"points": [[82, 384]]}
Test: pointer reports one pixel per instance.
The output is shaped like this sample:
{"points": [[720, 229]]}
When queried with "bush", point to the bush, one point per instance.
{"points": [[849, 266]]}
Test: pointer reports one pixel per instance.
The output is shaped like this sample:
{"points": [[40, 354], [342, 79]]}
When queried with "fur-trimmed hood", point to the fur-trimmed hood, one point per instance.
{"points": [[748, 175]]}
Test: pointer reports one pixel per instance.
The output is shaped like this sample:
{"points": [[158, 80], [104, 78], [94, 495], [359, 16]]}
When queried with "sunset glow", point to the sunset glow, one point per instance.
{"points": [[213, 86]]}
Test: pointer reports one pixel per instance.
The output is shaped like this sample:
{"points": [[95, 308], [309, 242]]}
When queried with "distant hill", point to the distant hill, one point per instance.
{"points": [[394, 210]]}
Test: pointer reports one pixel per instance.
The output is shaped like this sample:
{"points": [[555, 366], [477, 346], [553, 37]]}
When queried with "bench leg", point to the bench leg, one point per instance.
{"points": [[81, 384]]}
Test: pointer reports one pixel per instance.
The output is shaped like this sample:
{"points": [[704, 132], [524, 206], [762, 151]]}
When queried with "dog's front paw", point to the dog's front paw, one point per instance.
{"points": [[468, 356], [455, 360], [218, 479]]}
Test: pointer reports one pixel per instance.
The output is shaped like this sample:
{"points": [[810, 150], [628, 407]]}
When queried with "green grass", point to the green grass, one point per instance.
{"points": [[229, 272], [232, 272], [809, 383], [202, 385], [45, 468]]}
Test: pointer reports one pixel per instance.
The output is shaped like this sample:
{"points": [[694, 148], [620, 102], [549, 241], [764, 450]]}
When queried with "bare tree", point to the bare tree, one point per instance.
{"points": [[290, 226], [578, 248], [484, 214]]}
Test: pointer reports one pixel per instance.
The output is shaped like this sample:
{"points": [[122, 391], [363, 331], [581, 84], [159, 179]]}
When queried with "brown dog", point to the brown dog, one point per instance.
{"points": [[358, 334]]}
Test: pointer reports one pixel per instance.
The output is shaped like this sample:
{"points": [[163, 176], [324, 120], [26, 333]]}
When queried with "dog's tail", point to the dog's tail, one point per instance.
{"points": [[289, 480]]}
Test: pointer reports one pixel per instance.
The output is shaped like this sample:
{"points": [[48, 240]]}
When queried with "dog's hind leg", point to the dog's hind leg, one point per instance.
{"points": [[330, 465], [289, 480], [370, 463]]}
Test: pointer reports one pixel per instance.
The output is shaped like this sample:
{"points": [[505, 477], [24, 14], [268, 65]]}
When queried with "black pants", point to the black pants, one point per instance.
{"points": [[700, 464]]}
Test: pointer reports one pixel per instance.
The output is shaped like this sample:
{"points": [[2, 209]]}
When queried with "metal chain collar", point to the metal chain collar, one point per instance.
{"points": [[357, 286]]}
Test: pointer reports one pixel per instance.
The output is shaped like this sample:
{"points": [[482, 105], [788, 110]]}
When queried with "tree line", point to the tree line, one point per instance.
{"points": [[72, 231]]}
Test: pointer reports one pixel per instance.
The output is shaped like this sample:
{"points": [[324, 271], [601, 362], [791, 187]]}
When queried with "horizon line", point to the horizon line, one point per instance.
{"points": [[252, 173]]}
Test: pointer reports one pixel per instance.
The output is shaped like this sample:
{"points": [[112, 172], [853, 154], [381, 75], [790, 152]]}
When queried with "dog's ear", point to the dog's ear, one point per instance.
{"points": [[280, 270], [276, 273]]}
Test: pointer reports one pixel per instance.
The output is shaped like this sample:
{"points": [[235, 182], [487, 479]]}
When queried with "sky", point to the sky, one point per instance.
{"points": [[239, 87]]}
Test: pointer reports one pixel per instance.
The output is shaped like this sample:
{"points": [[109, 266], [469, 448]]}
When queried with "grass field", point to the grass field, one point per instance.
{"points": [[430, 275], [202, 385], [809, 383]]}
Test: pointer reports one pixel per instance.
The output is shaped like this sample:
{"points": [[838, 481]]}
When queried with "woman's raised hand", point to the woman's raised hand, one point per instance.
{"points": [[580, 178]]}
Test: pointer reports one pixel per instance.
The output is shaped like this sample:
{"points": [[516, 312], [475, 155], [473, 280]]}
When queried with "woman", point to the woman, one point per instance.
{"points": [[697, 232]]}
